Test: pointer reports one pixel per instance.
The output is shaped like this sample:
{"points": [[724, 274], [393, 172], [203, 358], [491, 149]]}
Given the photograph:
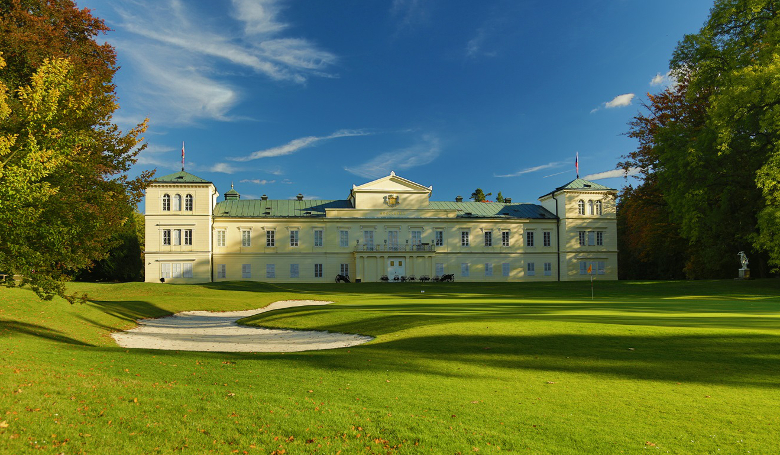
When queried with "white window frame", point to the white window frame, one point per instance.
{"points": [[599, 210], [177, 203], [591, 238], [530, 269], [165, 270], [294, 238], [601, 267], [582, 237], [464, 238], [186, 270], [583, 267], [590, 208], [599, 238], [176, 270], [221, 271], [246, 237], [580, 207], [166, 237], [547, 268], [343, 238], [368, 240], [270, 238], [188, 237], [270, 270], [504, 238], [547, 238], [318, 237], [392, 240], [416, 237], [488, 269], [488, 238], [221, 237], [438, 238], [188, 203], [344, 269], [529, 238], [246, 270], [317, 270], [176, 237], [166, 202]]}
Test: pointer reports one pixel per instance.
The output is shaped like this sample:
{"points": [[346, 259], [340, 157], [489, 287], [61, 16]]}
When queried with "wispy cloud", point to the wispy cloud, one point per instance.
{"points": [[612, 174], [410, 13], [528, 170], [258, 181], [420, 154], [180, 56], [618, 101], [665, 80], [225, 168], [297, 144]]}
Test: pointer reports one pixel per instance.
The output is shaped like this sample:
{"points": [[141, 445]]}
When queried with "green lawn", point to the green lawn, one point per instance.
{"points": [[674, 367]]}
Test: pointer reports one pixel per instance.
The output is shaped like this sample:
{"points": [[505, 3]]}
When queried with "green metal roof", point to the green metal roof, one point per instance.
{"points": [[180, 177], [580, 184], [285, 208]]}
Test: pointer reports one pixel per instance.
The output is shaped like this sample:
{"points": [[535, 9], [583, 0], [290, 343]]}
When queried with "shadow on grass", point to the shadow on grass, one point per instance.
{"points": [[9, 327], [126, 311]]}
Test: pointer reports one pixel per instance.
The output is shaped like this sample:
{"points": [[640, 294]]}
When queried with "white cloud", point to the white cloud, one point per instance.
{"points": [[614, 173], [554, 164], [297, 144], [620, 101], [657, 80], [259, 16], [666, 80], [420, 154], [225, 168], [258, 181]]}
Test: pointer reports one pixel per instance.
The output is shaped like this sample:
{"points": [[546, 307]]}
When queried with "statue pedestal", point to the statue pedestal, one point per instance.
{"points": [[744, 274]]}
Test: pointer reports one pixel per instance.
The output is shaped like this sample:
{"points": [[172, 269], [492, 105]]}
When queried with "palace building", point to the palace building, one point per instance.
{"points": [[389, 227]]}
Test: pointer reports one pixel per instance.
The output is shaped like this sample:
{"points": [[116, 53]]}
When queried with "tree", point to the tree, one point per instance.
{"points": [[479, 196], [125, 260], [63, 187], [500, 197]]}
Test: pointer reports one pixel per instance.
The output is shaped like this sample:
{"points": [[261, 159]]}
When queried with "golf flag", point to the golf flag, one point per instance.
{"points": [[182, 155], [590, 269], [577, 164]]}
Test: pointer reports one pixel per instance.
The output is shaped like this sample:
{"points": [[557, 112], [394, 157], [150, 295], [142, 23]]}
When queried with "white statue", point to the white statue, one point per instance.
{"points": [[743, 259]]}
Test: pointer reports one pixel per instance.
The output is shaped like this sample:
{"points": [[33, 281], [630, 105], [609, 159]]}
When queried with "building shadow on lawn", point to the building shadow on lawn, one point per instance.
{"points": [[10, 327]]}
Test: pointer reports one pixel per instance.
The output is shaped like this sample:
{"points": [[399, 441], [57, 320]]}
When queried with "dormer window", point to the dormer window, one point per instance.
{"points": [[598, 207], [166, 202], [581, 207], [177, 203], [188, 202]]}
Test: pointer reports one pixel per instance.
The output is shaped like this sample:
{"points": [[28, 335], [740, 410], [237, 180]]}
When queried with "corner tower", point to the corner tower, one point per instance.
{"points": [[178, 216]]}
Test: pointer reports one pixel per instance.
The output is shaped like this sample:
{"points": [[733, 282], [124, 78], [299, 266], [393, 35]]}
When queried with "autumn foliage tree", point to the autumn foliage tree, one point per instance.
{"points": [[63, 187]]}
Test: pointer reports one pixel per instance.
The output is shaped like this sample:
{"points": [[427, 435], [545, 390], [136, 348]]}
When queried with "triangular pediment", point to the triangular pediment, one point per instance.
{"points": [[392, 183]]}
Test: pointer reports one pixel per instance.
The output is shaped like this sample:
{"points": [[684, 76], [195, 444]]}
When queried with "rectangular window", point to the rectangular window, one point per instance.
{"points": [[488, 238], [294, 238], [530, 269], [221, 238], [188, 202], [293, 270], [246, 270], [176, 270], [464, 238], [547, 237], [600, 267], [416, 238], [505, 269], [318, 237], [345, 269], [439, 268], [583, 268], [464, 269], [343, 238], [505, 238], [368, 240], [246, 238], [599, 238], [582, 237], [529, 238], [591, 238], [188, 236], [439, 238], [270, 238], [317, 270], [270, 270], [547, 268], [176, 237], [166, 236], [488, 269], [221, 272], [392, 240], [165, 270], [166, 206], [186, 270]]}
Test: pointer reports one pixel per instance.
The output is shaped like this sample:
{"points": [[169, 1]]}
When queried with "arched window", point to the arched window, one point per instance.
{"points": [[598, 207], [177, 203], [188, 203], [581, 207], [166, 202], [590, 207]]}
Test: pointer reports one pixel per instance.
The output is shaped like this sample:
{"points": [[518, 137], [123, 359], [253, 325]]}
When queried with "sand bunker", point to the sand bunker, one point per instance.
{"points": [[210, 331]]}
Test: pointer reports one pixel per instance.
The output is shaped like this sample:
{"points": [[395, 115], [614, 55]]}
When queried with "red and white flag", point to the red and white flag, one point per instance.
{"points": [[182, 155], [576, 162]]}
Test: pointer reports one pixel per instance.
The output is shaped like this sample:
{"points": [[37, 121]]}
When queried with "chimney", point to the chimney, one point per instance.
{"points": [[299, 196], [264, 197], [458, 198], [507, 200]]}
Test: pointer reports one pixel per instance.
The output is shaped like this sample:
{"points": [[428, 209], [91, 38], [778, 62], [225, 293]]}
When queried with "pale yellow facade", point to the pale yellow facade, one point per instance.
{"points": [[385, 229]]}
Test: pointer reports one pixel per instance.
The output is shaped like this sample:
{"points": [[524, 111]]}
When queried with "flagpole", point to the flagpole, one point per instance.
{"points": [[182, 156], [591, 286]]}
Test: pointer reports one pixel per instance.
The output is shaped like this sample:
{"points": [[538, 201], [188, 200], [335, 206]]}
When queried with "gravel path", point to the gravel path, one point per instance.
{"points": [[218, 332]]}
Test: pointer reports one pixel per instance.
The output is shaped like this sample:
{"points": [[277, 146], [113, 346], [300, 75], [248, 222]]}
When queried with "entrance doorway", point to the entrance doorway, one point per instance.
{"points": [[396, 267]]}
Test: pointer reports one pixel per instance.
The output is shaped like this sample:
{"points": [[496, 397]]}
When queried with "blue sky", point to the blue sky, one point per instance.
{"points": [[284, 97]]}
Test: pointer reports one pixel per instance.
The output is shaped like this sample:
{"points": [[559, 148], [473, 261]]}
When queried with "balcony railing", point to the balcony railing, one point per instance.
{"points": [[393, 248]]}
